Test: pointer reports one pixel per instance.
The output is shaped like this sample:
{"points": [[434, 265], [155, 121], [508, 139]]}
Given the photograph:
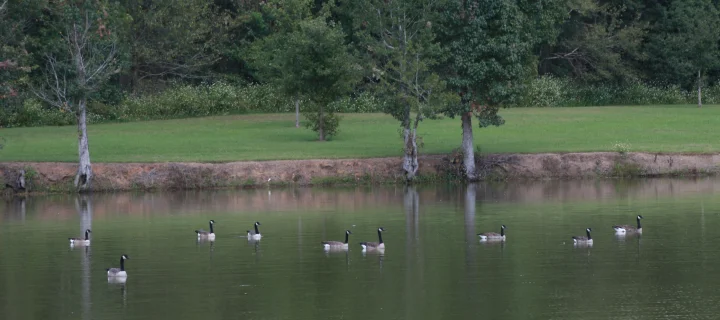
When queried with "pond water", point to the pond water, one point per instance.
{"points": [[433, 266]]}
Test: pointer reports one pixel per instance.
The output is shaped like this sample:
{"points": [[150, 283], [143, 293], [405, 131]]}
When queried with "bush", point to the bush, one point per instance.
{"points": [[546, 91], [549, 91], [34, 113], [185, 101], [363, 103], [331, 123]]}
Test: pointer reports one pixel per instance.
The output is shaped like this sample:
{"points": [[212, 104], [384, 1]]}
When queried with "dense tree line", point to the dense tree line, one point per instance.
{"points": [[422, 58]]}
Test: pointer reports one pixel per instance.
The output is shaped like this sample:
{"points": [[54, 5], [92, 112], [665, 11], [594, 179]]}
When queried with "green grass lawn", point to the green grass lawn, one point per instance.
{"points": [[265, 137]]}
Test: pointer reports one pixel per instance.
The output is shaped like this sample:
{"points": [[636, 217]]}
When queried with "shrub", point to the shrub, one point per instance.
{"points": [[363, 103], [34, 113], [546, 91], [331, 123], [185, 101], [549, 91]]}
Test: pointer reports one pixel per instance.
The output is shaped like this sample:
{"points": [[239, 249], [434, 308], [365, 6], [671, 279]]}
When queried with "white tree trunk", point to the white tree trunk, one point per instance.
{"points": [[467, 146], [83, 177], [410, 158], [699, 90], [297, 112]]}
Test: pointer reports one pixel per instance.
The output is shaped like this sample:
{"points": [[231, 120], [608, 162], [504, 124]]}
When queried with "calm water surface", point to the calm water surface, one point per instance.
{"points": [[434, 267]]}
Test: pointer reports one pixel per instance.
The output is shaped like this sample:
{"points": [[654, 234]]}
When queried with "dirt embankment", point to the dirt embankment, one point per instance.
{"points": [[46, 176]]}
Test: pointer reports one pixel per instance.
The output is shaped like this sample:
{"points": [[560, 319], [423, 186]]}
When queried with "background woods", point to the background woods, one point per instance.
{"points": [[172, 55]]}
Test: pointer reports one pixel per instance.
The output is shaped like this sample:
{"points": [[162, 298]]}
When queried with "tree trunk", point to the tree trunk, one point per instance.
{"points": [[134, 81], [83, 177], [321, 124], [699, 90], [297, 112], [410, 159], [467, 146], [21, 180]]}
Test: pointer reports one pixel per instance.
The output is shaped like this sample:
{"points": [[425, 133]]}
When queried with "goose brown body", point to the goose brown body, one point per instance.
{"points": [[337, 244], [583, 240], [493, 236], [626, 228], [81, 241], [375, 245], [206, 235]]}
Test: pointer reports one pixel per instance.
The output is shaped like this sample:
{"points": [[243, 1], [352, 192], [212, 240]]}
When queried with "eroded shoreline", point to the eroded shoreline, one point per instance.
{"points": [[58, 176]]}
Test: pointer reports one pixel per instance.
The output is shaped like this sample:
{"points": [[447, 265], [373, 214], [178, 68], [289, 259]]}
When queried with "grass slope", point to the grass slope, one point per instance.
{"points": [[266, 137]]}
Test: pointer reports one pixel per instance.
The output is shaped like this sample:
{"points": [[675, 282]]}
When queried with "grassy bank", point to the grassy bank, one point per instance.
{"points": [[273, 136]]}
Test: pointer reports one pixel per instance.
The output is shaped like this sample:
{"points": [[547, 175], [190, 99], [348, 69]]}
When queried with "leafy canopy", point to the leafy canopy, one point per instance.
{"points": [[489, 45]]}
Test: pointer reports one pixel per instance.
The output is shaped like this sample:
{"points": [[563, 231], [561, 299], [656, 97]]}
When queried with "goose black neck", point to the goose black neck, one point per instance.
{"points": [[639, 226], [256, 230], [211, 228], [347, 235], [87, 235], [380, 236], [122, 264], [588, 234], [502, 232]]}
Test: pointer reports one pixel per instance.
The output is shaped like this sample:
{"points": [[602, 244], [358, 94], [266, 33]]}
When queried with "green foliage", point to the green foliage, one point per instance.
{"points": [[489, 47], [181, 101], [34, 113], [688, 42], [195, 101], [597, 42], [311, 61], [81, 56], [622, 148], [330, 123], [168, 39], [15, 64], [549, 91], [362, 103], [400, 52]]}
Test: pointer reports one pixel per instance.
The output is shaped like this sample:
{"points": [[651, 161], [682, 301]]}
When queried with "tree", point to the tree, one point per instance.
{"points": [[314, 62], [84, 60], [689, 47], [489, 45], [170, 39], [399, 45], [6, 64], [288, 15], [596, 43], [11, 52]]}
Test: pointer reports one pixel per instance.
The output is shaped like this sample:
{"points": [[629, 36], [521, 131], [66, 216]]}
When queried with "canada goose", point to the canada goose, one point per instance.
{"points": [[202, 234], [327, 245], [81, 242], [375, 245], [583, 240], [254, 235], [120, 273], [628, 228], [493, 236]]}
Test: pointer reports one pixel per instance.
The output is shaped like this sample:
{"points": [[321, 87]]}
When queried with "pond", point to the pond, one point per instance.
{"points": [[433, 267]]}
